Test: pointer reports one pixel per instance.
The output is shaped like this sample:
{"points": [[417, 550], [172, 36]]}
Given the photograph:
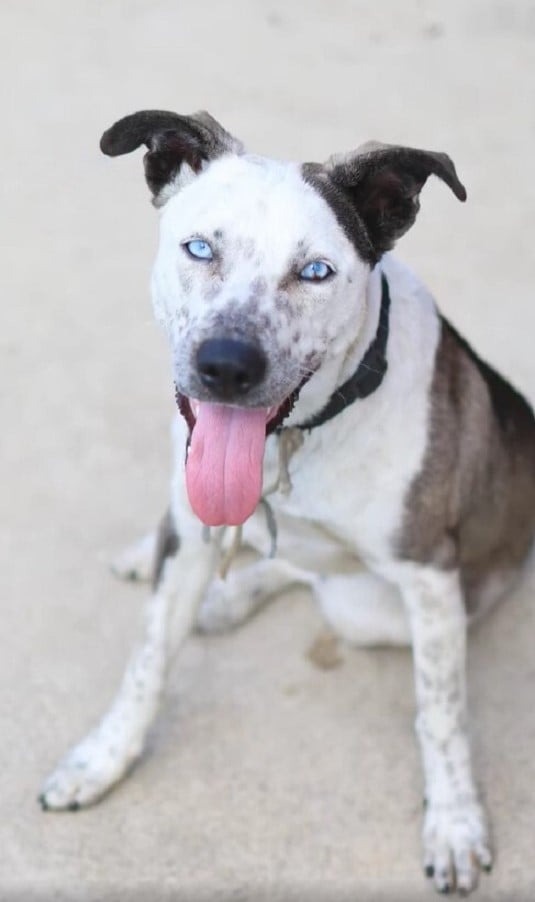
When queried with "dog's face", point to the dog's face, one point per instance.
{"points": [[260, 279], [251, 255]]}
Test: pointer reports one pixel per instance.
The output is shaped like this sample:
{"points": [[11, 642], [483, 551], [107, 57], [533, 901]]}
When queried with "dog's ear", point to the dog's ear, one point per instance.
{"points": [[178, 146], [383, 182]]}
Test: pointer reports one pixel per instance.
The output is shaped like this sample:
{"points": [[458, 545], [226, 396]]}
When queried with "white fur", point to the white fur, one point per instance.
{"points": [[263, 222], [455, 832], [136, 561], [349, 479]]}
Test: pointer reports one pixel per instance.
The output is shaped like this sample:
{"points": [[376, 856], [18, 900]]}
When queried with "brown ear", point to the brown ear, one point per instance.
{"points": [[383, 182], [172, 141]]}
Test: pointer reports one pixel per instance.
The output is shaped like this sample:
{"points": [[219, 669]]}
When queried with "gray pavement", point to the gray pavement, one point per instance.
{"points": [[266, 777]]}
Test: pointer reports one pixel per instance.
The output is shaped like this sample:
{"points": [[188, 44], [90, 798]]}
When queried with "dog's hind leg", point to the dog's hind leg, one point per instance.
{"points": [[363, 609], [92, 767], [231, 601]]}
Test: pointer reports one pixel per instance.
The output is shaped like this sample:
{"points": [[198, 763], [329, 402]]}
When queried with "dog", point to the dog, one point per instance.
{"points": [[323, 397]]}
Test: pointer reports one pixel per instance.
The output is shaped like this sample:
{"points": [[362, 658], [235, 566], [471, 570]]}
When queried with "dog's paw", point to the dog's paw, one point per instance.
{"points": [[456, 846], [221, 610], [86, 773], [136, 562]]}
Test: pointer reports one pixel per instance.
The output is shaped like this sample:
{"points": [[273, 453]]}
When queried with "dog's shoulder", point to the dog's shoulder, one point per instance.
{"points": [[476, 488]]}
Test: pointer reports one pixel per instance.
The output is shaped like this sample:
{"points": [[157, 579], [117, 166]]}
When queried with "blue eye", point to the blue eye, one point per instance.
{"points": [[316, 271], [199, 249]]}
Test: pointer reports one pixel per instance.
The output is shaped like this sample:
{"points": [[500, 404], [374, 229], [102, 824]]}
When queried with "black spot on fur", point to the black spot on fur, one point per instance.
{"points": [[258, 287], [167, 546]]}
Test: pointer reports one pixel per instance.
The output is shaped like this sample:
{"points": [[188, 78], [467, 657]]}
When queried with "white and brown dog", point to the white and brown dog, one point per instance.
{"points": [[312, 367]]}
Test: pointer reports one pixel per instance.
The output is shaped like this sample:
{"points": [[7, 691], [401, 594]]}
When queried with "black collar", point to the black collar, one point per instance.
{"points": [[368, 375]]}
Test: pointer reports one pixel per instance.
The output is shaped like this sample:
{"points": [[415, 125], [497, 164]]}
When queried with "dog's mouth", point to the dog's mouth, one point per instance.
{"points": [[225, 456]]}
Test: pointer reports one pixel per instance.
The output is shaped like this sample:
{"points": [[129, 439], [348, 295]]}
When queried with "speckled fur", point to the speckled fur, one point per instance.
{"points": [[251, 289], [372, 519]]}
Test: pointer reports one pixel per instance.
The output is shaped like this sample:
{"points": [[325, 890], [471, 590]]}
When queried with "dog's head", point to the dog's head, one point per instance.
{"points": [[260, 280]]}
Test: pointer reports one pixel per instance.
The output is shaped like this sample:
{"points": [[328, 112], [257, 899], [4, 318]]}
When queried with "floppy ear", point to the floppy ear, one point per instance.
{"points": [[383, 182], [173, 141]]}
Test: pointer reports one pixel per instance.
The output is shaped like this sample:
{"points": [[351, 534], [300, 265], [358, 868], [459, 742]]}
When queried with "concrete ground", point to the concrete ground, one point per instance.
{"points": [[266, 777]]}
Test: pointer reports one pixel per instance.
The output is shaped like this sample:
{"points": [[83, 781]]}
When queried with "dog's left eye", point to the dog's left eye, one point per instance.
{"points": [[316, 271], [199, 249]]}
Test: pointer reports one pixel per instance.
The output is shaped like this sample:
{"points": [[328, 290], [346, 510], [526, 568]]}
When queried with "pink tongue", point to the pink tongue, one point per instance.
{"points": [[224, 465]]}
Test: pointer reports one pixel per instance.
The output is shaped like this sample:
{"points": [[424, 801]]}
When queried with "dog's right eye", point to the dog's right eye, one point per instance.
{"points": [[316, 271], [199, 249]]}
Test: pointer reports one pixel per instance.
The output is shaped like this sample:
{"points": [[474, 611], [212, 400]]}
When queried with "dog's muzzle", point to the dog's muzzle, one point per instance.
{"points": [[229, 369]]}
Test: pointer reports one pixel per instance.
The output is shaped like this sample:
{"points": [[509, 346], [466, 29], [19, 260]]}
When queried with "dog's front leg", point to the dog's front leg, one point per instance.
{"points": [[455, 833], [93, 766]]}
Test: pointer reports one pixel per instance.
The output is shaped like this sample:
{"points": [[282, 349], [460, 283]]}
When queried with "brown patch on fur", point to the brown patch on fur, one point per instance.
{"points": [[473, 504]]}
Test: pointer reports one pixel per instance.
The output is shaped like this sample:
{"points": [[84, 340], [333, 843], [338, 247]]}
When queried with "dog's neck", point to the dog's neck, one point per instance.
{"points": [[359, 372]]}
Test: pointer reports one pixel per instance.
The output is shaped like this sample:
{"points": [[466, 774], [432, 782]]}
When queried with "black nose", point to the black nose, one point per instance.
{"points": [[230, 368]]}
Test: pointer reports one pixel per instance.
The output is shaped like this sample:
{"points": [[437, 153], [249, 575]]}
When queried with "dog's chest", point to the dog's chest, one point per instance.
{"points": [[353, 475], [354, 499]]}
